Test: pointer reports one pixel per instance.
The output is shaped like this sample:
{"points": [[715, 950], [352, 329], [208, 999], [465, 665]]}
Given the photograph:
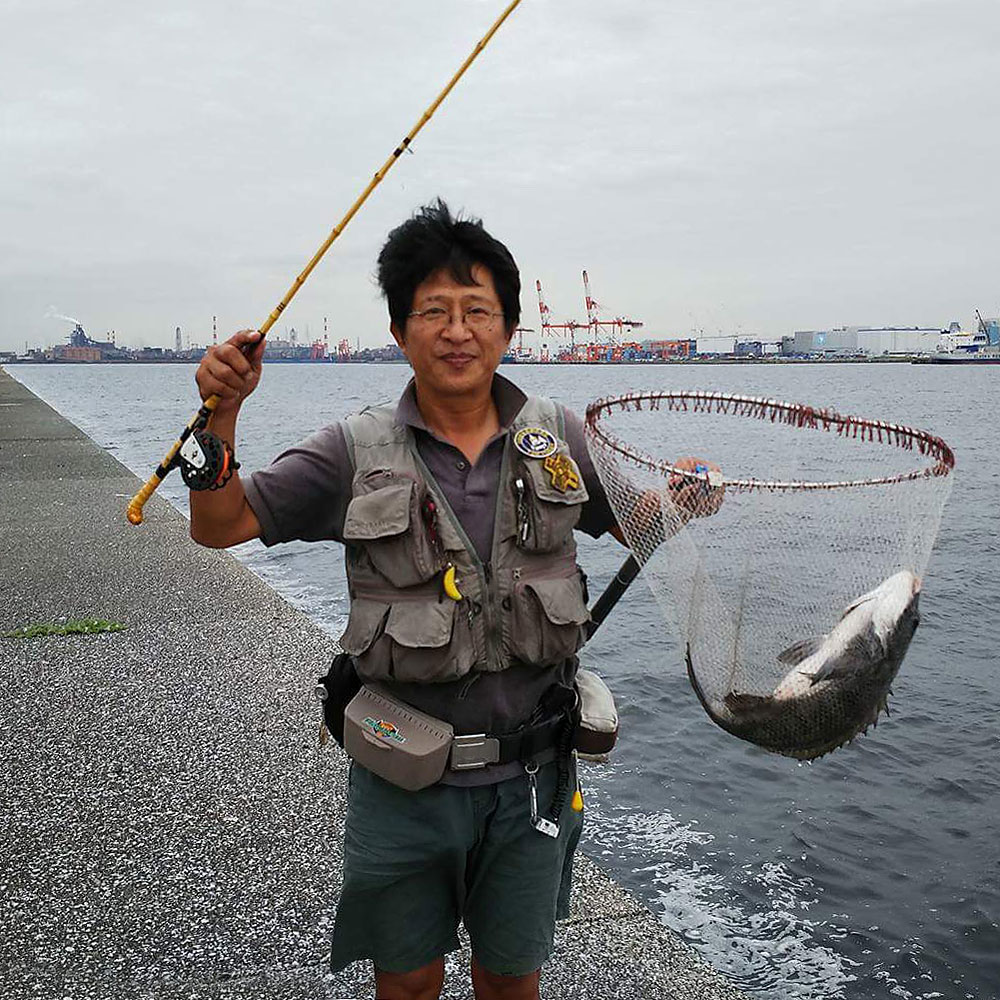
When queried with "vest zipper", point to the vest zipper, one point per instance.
{"points": [[477, 563], [493, 629]]}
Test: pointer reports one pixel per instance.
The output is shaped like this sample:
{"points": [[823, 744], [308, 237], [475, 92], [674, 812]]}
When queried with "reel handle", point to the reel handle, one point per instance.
{"points": [[198, 421]]}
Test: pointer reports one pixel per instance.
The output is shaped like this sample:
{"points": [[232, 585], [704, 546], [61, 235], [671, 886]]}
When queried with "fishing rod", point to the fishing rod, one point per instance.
{"points": [[205, 461]]}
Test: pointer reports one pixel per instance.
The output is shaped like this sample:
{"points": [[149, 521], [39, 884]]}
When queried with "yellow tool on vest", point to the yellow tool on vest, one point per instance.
{"points": [[450, 586]]}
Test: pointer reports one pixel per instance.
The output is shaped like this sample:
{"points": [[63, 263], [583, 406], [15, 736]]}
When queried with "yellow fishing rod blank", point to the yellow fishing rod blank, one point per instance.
{"points": [[200, 419]]}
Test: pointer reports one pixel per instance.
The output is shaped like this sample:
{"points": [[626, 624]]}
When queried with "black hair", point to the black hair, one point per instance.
{"points": [[434, 240]]}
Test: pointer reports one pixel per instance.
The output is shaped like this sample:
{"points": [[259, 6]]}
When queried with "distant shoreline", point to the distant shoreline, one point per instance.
{"points": [[898, 359]]}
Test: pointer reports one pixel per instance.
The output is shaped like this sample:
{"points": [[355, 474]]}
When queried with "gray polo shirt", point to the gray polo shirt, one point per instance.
{"points": [[304, 493]]}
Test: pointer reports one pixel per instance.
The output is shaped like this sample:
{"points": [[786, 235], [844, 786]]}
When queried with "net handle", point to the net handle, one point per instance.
{"points": [[613, 593], [795, 414]]}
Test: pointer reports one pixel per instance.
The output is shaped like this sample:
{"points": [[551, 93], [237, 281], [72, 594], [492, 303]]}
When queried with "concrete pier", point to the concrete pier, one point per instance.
{"points": [[170, 826]]}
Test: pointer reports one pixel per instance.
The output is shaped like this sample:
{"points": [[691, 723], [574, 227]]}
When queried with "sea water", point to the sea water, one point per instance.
{"points": [[871, 873]]}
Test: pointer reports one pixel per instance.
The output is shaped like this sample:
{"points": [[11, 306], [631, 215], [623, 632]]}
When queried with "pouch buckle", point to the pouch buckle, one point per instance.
{"points": [[474, 751]]}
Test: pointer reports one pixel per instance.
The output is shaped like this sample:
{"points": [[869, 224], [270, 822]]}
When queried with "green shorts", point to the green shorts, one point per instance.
{"points": [[417, 863]]}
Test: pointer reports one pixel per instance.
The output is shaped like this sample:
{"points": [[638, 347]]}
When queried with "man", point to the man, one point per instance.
{"points": [[457, 509]]}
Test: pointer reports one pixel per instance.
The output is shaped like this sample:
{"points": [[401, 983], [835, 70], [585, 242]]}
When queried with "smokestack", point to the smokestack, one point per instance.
{"points": [[177, 340]]}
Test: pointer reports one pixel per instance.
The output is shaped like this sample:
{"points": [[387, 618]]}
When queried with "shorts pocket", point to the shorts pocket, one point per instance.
{"points": [[546, 620], [385, 521]]}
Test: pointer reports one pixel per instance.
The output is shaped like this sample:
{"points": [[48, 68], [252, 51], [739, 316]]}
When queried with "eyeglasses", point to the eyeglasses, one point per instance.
{"points": [[476, 319]]}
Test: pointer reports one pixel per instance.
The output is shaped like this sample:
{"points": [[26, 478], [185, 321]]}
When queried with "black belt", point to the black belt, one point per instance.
{"points": [[478, 750]]}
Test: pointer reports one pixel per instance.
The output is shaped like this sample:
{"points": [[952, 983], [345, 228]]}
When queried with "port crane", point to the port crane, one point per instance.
{"points": [[548, 326], [595, 323]]}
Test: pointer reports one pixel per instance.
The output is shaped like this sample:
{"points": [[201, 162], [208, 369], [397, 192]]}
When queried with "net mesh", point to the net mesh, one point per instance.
{"points": [[816, 509]]}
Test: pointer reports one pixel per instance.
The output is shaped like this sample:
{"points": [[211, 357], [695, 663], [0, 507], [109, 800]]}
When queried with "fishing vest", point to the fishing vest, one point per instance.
{"points": [[526, 605]]}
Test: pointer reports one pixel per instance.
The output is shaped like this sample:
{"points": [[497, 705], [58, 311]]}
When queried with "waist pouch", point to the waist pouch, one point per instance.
{"points": [[412, 750], [404, 746], [335, 690], [597, 729]]}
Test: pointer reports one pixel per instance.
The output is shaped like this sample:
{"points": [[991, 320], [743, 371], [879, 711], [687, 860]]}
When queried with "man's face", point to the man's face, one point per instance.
{"points": [[450, 358]]}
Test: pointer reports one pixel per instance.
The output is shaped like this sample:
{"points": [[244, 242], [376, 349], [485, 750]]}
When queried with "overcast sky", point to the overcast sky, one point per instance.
{"points": [[728, 165]]}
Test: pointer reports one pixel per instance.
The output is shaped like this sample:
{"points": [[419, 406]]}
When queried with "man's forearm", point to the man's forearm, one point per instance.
{"points": [[220, 518]]}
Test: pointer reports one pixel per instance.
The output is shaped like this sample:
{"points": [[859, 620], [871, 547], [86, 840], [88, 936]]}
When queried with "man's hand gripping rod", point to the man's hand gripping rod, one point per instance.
{"points": [[200, 419]]}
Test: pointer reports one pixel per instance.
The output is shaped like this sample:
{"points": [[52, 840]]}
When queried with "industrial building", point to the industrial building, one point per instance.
{"points": [[82, 348], [847, 341]]}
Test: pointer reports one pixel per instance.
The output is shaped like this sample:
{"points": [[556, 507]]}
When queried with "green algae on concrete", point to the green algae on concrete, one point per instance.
{"points": [[76, 626]]}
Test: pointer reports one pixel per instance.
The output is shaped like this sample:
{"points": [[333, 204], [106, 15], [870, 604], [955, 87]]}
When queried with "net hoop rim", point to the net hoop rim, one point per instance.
{"points": [[797, 414]]}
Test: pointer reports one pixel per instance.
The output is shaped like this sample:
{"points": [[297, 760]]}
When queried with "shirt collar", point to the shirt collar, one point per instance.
{"points": [[509, 400]]}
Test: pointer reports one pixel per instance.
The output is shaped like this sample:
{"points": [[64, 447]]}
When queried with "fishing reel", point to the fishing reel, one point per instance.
{"points": [[206, 461]]}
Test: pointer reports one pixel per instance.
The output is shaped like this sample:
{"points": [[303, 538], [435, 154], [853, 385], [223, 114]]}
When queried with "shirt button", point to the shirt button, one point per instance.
{"points": [[460, 465]]}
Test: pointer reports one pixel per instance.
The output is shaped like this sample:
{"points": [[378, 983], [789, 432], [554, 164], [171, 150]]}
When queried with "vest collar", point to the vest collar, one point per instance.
{"points": [[509, 400]]}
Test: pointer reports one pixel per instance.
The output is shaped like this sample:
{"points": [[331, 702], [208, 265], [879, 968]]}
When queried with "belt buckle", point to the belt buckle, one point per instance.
{"points": [[474, 751]]}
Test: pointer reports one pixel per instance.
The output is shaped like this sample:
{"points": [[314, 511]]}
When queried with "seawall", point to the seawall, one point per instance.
{"points": [[171, 826]]}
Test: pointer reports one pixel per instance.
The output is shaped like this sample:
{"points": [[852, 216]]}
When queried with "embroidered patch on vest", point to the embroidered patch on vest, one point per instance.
{"points": [[535, 442], [562, 472]]}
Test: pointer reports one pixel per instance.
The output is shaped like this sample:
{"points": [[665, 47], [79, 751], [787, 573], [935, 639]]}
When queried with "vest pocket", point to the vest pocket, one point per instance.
{"points": [[546, 619], [422, 641], [545, 514], [431, 641], [386, 523], [366, 621]]}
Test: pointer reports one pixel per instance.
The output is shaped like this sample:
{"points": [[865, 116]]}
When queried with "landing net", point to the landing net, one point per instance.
{"points": [[816, 509]]}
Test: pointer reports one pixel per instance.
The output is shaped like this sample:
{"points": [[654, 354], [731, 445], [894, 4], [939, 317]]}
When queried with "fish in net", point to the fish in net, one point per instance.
{"points": [[796, 600]]}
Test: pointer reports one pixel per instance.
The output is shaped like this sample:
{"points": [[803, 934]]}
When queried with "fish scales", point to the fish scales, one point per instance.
{"points": [[838, 683]]}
